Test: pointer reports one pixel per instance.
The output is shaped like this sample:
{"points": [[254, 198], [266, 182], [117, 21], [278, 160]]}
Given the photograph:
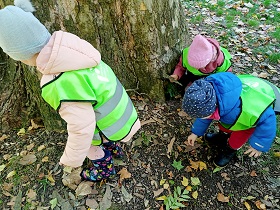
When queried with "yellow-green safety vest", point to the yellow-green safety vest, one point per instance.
{"points": [[114, 111], [256, 96]]}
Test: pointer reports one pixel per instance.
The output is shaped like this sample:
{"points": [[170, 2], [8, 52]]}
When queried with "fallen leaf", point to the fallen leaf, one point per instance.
{"points": [[249, 197], [106, 201], [247, 205], [147, 122], [185, 181], [158, 192], [30, 146], [189, 188], [7, 186], [260, 205], [277, 154], [11, 174], [31, 195], [182, 114], [161, 198], [28, 159], [169, 147], [217, 169], [195, 181], [166, 186], [190, 148], [53, 203], [263, 75], [50, 178], [84, 188], [222, 198], [2, 138], [124, 174], [45, 159], [143, 7], [72, 179], [2, 167], [68, 169], [225, 176], [127, 196], [177, 164], [170, 174], [21, 132], [253, 173], [162, 181], [40, 148], [34, 125], [188, 169], [194, 164], [92, 203], [195, 194], [202, 165]]}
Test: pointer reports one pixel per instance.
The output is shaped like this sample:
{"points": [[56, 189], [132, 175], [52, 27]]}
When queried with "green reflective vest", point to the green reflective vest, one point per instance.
{"points": [[223, 68], [115, 113], [256, 96]]}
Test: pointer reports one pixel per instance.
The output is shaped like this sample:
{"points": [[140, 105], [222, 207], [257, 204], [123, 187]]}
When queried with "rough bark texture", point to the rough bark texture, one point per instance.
{"points": [[140, 40], [20, 98]]}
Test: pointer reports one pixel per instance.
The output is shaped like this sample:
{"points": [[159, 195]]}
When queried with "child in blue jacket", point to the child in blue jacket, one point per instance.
{"points": [[243, 105]]}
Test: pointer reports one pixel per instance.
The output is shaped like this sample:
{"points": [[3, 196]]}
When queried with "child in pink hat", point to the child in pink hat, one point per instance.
{"points": [[203, 57]]}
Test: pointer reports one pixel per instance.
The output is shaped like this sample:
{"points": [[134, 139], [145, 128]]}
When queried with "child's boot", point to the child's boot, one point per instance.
{"points": [[217, 139], [114, 148], [224, 156], [102, 169]]}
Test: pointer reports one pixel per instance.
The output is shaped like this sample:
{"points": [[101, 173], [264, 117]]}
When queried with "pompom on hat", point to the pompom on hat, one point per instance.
{"points": [[22, 35], [200, 99], [200, 52]]}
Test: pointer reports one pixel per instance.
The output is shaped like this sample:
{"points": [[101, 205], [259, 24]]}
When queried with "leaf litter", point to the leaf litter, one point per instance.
{"points": [[166, 128]]}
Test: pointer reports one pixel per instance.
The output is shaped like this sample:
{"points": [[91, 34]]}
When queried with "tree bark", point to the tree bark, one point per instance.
{"points": [[140, 40]]}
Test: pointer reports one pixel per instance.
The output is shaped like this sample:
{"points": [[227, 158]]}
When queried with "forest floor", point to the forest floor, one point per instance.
{"points": [[158, 165]]}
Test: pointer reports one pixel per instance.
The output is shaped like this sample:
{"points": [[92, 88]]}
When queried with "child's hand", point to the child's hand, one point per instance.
{"points": [[253, 152], [173, 77], [191, 139]]}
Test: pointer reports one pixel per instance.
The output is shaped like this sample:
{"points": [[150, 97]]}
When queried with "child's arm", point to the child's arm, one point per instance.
{"points": [[199, 128], [80, 118], [265, 131], [179, 70]]}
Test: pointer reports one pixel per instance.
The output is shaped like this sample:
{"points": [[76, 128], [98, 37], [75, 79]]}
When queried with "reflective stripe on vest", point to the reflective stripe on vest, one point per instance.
{"points": [[256, 96], [223, 68], [114, 111]]}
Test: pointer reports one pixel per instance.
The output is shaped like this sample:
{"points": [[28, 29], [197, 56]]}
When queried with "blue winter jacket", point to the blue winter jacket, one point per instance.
{"points": [[228, 89]]}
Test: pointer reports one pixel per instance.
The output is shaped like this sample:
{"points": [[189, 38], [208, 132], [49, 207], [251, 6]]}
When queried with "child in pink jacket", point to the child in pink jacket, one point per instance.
{"points": [[78, 84], [203, 57]]}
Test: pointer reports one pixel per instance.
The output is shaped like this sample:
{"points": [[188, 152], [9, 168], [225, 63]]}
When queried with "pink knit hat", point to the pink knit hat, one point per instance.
{"points": [[200, 52]]}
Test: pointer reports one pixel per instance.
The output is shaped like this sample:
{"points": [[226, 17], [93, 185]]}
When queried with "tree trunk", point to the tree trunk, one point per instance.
{"points": [[140, 40]]}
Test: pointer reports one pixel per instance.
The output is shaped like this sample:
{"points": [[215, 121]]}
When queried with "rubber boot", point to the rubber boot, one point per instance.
{"points": [[102, 169], [217, 139], [224, 156], [114, 148]]}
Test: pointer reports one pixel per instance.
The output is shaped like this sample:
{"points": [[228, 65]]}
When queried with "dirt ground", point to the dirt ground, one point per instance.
{"points": [[149, 159], [156, 162]]}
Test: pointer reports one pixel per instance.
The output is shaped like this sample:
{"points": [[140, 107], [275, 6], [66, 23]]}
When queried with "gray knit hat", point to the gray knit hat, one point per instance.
{"points": [[200, 99], [21, 33]]}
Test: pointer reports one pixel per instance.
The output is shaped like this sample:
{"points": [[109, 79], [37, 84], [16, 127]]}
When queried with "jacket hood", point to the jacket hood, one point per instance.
{"points": [[228, 89], [66, 52]]}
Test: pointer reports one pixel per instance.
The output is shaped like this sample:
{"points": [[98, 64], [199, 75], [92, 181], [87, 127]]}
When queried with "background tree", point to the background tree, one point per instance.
{"points": [[140, 40]]}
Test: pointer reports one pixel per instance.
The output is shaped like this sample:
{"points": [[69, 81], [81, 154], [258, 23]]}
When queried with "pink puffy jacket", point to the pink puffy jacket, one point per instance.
{"points": [[65, 52]]}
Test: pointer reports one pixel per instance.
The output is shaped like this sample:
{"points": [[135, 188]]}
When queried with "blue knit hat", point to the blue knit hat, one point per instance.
{"points": [[21, 33], [200, 99]]}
